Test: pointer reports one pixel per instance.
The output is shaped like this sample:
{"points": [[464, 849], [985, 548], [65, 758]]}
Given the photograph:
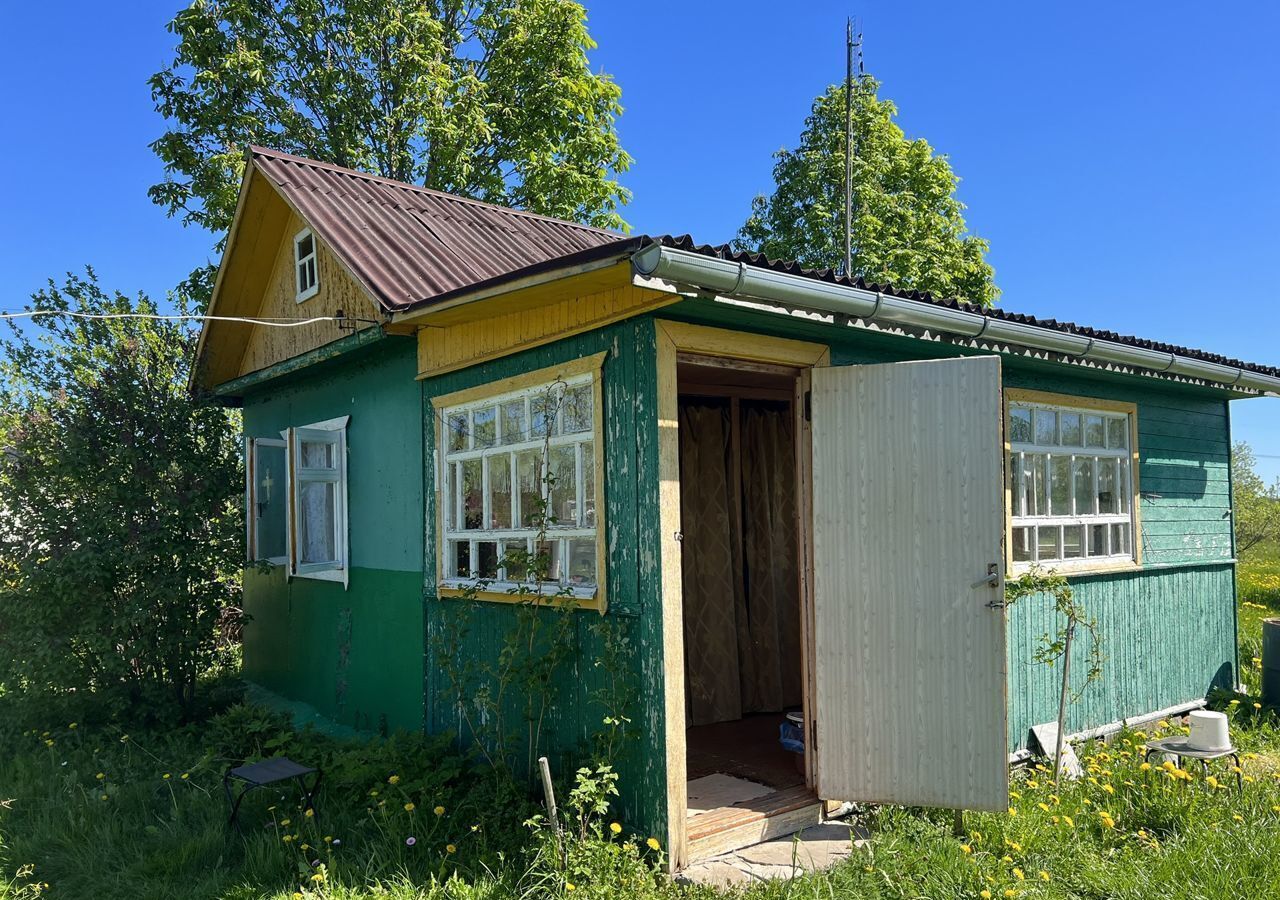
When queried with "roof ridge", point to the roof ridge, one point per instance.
{"points": [[259, 150]]}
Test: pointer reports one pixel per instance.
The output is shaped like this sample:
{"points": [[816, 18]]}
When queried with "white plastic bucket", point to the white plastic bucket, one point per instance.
{"points": [[1208, 731]]}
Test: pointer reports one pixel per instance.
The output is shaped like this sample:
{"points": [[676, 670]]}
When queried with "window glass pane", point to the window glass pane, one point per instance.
{"points": [[582, 562], [316, 525], [1118, 433], [529, 478], [1084, 466], [1093, 432], [1059, 485], [318, 455], [500, 491], [462, 559], [1017, 484], [513, 425], [305, 246], [472, 499], [1046, 427], [1022, 545], [1071, 429], [458, 429], [1123, 486], [1020, 425], [1072, 541], [1047, 542], [564, 486], [588, 486], [515, 559], [303, 281], [1097, 540], [484, 424], [542, 411], [269, 501], [1037, 499], [577, 409], [1120, 540], [547, 562], [1108, 500], [487, 559]]}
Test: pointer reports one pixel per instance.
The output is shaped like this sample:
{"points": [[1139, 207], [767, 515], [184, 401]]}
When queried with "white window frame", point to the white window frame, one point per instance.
{"points": [[1126, 482], [526, 389], [308, 263], [334, 432], [251, 500]]}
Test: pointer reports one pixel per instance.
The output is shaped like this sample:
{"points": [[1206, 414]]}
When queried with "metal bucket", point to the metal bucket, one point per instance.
{"points": [[1271, 662]]}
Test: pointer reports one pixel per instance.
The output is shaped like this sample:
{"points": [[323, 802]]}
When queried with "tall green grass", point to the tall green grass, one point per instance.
{"points": [[1258, 589]]}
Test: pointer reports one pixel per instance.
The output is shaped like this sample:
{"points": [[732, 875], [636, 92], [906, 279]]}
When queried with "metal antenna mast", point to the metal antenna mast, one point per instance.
{"points": [[853, 44]]}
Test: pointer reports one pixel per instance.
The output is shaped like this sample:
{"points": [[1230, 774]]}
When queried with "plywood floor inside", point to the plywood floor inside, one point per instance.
{"points": [[746, 748]]}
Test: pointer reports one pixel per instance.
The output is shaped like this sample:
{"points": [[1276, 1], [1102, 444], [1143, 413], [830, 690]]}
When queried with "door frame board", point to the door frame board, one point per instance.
{"points": [[672, 339]]}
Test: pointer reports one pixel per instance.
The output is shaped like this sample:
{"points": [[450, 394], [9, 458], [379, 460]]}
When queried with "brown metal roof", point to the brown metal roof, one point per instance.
{"points": [[410, 244]]}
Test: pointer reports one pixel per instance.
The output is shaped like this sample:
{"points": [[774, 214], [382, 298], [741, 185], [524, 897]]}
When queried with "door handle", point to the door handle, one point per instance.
{"points": [[992, 579]]}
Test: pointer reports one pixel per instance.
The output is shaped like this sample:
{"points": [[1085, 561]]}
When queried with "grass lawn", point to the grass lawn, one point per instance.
{"points": [[93, 812]]}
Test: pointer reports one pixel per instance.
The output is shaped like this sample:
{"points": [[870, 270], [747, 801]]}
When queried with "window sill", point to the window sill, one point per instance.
{"points": [[338, 575], [1103, 567], [307, 294], [579, 600]]}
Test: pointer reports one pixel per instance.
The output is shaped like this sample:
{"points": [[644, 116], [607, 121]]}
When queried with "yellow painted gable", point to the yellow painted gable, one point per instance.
{"points": [[337, 292], [257, 281]]}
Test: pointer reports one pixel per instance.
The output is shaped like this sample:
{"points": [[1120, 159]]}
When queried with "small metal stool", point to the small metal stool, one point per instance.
{"points": [[265, 773], [1178, 746]]}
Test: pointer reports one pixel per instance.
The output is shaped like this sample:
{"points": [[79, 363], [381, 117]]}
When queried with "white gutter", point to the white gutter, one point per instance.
{"points": [[738, 280]]}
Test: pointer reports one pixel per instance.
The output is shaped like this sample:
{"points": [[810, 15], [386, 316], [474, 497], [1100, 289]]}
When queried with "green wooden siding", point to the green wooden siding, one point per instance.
{"points": [[355, 654], [634, 601]]}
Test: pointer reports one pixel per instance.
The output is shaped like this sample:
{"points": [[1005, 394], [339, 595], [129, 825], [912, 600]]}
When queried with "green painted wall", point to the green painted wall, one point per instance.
{"points": [[634, 601], [1168, 631], [356, 654]]}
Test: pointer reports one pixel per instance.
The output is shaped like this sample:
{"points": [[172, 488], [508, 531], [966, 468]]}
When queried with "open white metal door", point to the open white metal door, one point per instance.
{"points": [[909, 628]]}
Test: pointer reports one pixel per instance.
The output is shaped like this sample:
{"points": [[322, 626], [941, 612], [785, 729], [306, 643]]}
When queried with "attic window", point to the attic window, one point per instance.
{"points": [[304, 259]]}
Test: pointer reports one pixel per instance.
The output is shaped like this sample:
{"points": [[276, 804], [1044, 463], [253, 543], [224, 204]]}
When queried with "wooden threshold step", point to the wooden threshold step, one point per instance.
{"points": [[762, 819]]}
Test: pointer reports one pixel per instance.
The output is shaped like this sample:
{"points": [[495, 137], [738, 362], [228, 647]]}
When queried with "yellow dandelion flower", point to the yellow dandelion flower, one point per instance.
{"points": [[310, 813], [1015, 846], [1070, 822], [615, 828], [72, 726], [1006, 859], [1211, 781], [1257, 706], [166, 776], [1055, 798], [1054, 820], [569, 886], [1109, 789], [1018, 874], [1145, 767], [394, 779], [984, 894], [1010, 892], [373, 793], [965, 848], [105, 797], [1043, 806], [450, 848], [318, 877], [285, 823], [1163, 723], [186, 776], [1044, 876], [1013, 810], [409, 807], [100, 776], [653, 844], [1238, 817], [1015, 795], [439, 810]]}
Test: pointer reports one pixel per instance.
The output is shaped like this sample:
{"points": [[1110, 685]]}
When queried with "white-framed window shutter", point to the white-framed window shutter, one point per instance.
{"points": [[306, 275], [318, 540]]}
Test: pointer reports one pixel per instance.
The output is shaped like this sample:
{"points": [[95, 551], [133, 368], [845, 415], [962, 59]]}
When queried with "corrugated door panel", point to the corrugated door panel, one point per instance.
{"points": [[908, 514]]}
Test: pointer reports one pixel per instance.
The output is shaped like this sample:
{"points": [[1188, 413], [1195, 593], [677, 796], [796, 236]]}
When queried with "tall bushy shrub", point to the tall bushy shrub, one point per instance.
{"points": [[119, 508]]}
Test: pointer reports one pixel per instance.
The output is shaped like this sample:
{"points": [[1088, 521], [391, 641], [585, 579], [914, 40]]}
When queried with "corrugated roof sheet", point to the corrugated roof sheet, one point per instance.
{"points": [[413, 246], [410, 244], [685, 242]]}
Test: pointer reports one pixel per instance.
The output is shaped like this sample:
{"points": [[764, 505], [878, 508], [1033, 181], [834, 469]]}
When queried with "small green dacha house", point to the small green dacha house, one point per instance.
{"points": [[776, 503]]}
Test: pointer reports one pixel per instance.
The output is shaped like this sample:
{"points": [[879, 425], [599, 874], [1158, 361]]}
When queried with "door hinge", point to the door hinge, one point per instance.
{"points": [[808, 406]]}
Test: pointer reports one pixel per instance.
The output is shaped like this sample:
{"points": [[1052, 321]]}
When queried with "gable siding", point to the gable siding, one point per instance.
{"points": [[267, 346]]}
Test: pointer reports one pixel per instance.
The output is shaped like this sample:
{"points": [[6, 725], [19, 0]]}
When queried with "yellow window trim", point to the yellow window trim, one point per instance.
{"points": [[588, 365], [1014, 396]]}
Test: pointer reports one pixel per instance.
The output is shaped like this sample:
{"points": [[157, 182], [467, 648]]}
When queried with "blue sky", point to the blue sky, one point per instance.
{"points": [[1120, 158]]}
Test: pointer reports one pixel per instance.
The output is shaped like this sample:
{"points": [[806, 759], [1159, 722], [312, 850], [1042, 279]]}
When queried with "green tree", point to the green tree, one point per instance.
{"points": [[908, 227], [1255, 504], [120, 526], [492, 99]]}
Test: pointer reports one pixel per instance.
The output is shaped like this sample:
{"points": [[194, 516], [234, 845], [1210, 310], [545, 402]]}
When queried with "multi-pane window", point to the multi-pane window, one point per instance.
{"points": [[1071, 485], [520, 479], [296, 499], [304, 264]]}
